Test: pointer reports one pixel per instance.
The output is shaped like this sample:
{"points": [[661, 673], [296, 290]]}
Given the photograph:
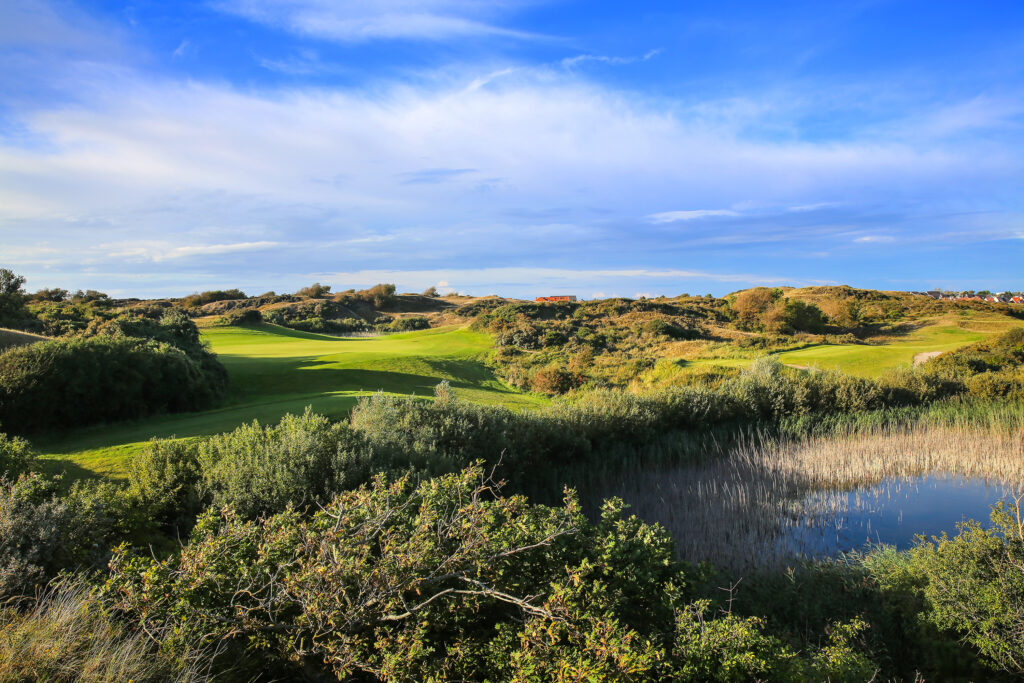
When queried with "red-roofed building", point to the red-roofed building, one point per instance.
{"points": [[555, 298]]}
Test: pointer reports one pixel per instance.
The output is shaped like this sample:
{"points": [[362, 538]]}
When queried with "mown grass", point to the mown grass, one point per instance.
{"points": [[871, 360], [275, 370]]}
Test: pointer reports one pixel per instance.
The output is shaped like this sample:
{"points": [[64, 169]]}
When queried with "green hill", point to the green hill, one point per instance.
{"points": [[275, 370]]}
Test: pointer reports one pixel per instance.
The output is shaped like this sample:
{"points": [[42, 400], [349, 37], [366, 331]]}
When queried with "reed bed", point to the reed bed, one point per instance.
{"points": [[65, 635], [766, 501]]}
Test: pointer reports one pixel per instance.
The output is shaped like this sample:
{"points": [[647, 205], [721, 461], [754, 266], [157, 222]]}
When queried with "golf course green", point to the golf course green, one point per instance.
{"points": [[275, 370]]}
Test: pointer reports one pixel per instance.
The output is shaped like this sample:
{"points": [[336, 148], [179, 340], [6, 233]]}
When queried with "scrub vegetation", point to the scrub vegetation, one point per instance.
{"points": [[446, 503]]}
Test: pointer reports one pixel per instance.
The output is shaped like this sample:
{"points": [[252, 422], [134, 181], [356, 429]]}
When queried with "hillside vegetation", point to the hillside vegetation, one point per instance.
{"points": [[430, 504]]}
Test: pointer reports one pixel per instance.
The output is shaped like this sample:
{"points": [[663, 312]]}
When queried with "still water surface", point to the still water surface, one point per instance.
{"points": [[892, 512]]}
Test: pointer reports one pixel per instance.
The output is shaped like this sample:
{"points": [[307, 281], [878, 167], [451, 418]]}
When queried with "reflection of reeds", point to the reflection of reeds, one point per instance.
{"points": [[764, 501]]}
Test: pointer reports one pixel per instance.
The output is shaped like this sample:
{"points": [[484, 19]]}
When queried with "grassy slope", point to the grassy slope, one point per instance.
{"points": [[870, 360], [9, 338], [275, 370]]}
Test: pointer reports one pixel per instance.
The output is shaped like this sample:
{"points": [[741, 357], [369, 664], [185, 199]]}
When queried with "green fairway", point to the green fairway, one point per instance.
{"points": [[871, 360], [275, 371]]}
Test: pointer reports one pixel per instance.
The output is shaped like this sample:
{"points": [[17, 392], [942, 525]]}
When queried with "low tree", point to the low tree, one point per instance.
{"points": [[12, 298], [315, 291]]}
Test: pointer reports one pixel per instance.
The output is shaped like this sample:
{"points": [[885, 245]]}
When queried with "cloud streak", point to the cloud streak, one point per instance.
{"points": [[691, 215], [354, 21]]}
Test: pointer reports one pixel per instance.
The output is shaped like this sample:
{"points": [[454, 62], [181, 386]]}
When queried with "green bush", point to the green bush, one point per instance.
{"points": [[241, 317], [199, 299], [408, 324], [164, 484], [16, 456], [449, 580], [43, 533], [300, 461], [974, 586], [61, 383]]}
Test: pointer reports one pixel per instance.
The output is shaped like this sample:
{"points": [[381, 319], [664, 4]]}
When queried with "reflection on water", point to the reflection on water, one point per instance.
{"points": [[766, 504], [892, 512]]}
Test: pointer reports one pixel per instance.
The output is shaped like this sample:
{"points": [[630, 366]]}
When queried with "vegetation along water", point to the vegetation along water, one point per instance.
{"points": [[225, 487]]}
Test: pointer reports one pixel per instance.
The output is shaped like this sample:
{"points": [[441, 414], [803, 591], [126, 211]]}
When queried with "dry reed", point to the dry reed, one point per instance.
{"points": [[765, 502], [64, 635]]}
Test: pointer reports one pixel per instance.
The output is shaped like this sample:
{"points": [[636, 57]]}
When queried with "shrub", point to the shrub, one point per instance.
{"points": [[447, 579], [199, 299], [300, 461], [241, 317], [163, 484], [974, 585], [61, 383], [66, 636], [408, 324], [315, 291], [554, 380], [12, 299], [378, 296], [42, 533], [16, 456]]}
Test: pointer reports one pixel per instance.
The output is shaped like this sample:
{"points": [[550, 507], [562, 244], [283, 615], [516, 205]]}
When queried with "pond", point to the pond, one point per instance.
{"points": [[766, 504], [893, 512]]}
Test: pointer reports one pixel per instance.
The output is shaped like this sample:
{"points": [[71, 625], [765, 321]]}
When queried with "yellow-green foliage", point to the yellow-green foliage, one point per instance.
{"points": [[66, 636]]}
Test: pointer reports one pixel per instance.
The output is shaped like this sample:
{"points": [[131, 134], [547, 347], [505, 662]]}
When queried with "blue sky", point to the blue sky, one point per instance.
{"points": [[518, 147]]}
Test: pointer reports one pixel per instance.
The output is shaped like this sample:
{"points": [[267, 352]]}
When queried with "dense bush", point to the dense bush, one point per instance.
{"points": [[201, 298], [164, 484], [444, 580], [66, 635], [43, 533], [241, 317], [301, 460], [762, 308], [16, 456], [314, 291], [974, 586], [66, 383], [408, 324], [12, 300], [554, 380]]}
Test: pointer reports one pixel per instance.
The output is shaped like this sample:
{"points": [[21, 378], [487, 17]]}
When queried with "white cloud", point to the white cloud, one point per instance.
{"points": [[570, 62], [533, 278], [874, 239], [674, 216], [362, 20], [162, 251], [533, 167], [183, 49]]}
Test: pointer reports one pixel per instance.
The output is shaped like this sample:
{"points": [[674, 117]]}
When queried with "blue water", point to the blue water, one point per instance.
{"points": [[895, 511]]}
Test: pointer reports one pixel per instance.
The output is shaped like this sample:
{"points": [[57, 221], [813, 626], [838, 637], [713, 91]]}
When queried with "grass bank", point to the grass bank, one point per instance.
{"points": [[275, 370]]}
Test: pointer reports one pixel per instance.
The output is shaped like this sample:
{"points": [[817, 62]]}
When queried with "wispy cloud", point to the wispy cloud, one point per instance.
{"points": [[162, 251], [690, 215], [434, 175], [358, 21], [570, 62], [183, 49]]}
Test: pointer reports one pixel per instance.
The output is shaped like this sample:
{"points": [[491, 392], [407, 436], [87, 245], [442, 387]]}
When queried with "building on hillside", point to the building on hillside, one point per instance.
{"points": [[555, 298]]}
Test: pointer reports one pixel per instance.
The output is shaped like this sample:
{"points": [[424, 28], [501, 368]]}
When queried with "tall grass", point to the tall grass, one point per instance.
{"points": [[766, 499], [67, 636]]}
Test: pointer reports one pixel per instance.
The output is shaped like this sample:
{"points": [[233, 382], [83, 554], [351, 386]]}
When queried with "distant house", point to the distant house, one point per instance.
{"points": [[555, 298], [935, 294], [1017, 299]]}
